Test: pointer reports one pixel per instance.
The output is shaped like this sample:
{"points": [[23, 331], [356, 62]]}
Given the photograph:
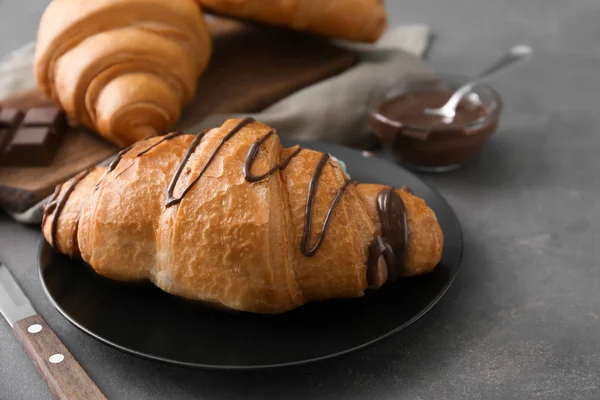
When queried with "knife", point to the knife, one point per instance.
{"points": [[63, 374]]}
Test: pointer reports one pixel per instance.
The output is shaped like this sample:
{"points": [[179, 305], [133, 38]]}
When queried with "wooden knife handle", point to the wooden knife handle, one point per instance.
{"points": [[63, 374]]}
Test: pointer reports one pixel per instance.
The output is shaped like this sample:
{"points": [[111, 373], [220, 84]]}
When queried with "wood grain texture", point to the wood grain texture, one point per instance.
{"points": [[252, 67], [66, 379]]}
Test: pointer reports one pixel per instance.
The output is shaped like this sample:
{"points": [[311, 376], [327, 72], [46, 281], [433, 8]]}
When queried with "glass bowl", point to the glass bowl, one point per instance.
{"points": [[433, 145]]}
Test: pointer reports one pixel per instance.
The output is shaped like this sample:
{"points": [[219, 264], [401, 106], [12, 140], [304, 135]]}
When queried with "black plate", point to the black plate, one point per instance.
{"points": [[143, 320]]}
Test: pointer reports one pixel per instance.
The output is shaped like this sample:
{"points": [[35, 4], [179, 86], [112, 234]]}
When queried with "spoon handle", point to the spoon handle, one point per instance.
{"points": [[515, 54]]}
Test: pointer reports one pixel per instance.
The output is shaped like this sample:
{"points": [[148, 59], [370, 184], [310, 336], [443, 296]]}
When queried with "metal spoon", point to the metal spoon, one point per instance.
{"points": [[515, 54]]}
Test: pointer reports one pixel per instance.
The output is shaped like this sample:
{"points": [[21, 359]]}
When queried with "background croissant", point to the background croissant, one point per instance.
{"points": [[358, 20], [230, 217], [124, 68]]}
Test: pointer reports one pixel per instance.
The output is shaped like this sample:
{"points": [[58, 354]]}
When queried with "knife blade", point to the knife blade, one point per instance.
{"points": [[63, 374], [14, 306]]}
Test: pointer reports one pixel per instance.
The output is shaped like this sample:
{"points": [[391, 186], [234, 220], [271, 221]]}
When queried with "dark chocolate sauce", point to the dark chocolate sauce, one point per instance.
{"points": [[409, 110], [377, 247], [393, 241], [253, 153], [425, 140], [120, 154], [312, 191], [391, 244], [123, 171], [113, 164], [60, 204], [170, 199], [164, 139]]}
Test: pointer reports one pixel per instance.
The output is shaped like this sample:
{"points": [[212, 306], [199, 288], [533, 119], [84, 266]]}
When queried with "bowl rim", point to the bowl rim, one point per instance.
{"points": [[379, 93]]}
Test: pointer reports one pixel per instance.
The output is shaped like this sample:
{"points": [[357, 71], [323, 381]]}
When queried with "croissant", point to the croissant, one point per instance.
{"points": [[230, 217], [358, 20], [124, 68]]}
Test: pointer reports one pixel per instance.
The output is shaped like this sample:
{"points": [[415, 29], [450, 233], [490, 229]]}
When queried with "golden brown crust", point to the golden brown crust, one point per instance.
{"points": [[426, 240], [357, 20], [231, 241], [343, 244], [122, 67], [119, 224], [65, 225], [224, 240]]}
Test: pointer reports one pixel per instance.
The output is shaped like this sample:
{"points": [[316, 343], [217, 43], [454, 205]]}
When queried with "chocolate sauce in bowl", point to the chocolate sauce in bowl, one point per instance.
{"points": [[433, 142], [409, 109]]}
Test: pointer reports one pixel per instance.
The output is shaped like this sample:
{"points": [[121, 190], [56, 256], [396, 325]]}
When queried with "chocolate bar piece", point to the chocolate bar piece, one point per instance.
{"points": [[9, 119], [30, 139], [31, 146], [46, 116]]}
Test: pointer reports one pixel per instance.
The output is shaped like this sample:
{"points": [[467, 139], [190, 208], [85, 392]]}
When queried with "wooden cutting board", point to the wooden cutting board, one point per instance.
{"points": [[251, 68]]}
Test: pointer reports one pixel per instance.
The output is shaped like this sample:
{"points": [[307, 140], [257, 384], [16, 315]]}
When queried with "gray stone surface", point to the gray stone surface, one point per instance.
{"points": [[523, 317]]}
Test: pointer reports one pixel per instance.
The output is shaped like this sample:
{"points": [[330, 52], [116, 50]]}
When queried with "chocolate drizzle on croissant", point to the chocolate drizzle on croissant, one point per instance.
{"points": [[253, 153], [308, 213], [391, 244], [242, 237], [393, 241], [56, 205], [162, 140], [171, 199], [114, 163], [305, 247]]}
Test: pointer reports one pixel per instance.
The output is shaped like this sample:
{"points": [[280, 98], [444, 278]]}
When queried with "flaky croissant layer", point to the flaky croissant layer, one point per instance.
{"points": [[357, 20], [124, 68], [231, 217]]}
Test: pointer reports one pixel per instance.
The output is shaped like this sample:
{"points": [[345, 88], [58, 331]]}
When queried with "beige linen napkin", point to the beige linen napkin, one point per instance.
{"points": [[333, 110]]}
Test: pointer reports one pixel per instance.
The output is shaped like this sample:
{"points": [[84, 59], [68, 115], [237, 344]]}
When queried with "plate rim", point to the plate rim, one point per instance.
{"points": [[362, 346]]}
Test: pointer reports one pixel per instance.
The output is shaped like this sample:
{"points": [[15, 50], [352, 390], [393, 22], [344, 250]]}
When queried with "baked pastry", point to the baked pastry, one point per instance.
{"points": [[357, 20], [230, 217], [124, 68]]}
